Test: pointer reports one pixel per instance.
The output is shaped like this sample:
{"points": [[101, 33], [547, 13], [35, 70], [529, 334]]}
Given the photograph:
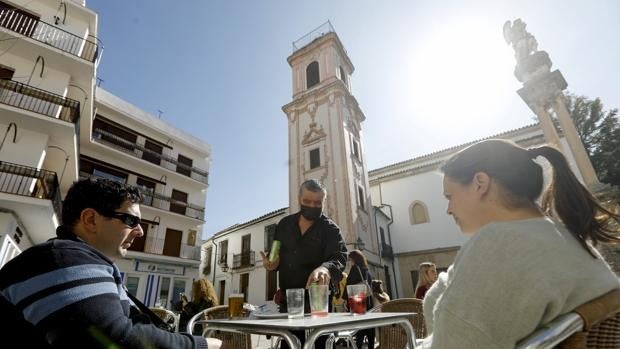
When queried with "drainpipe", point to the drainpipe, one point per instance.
{"points": [[389, 238], [213, 278]]}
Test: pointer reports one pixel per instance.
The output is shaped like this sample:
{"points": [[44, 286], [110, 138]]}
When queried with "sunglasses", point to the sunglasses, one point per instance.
{"points": [[128, 219]]}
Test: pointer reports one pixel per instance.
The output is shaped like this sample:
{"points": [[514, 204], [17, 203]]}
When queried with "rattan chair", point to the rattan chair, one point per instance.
{"points": [[593, 325], [167, 316], [229, 339], [394, 337]]}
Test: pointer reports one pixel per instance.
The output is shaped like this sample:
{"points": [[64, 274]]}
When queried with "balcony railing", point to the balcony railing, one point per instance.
{"points": [[141, 152], [155, 245], [19, 95], [32, 182], [163, 202], [49, 34], [243, 259], [386, 251]]}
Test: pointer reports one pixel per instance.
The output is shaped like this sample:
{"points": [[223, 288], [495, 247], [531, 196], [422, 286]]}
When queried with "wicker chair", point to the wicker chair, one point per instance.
{"points": [[229, 339], [167, 316], [394, 337], [593, 325]]}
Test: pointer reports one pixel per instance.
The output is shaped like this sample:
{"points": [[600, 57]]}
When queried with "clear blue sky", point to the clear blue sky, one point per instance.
{"points": [[429, 75]]}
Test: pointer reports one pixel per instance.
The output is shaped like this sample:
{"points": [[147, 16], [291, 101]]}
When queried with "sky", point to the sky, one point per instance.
{"points": [[428, 75]]}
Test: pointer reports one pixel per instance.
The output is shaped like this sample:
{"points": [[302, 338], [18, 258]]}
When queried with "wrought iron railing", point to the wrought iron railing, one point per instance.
{"points": [[243, 259], [314, 34], [30, 181], [50, 35], [154, 245], [163, 202], [141, 152], [19, 95]]}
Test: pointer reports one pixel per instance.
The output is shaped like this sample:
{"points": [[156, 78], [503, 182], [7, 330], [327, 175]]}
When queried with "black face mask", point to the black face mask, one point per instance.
{"points": [[311, 213]]}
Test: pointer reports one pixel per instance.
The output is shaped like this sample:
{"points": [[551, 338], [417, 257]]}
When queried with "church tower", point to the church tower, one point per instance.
{"points": [[325, 136]]}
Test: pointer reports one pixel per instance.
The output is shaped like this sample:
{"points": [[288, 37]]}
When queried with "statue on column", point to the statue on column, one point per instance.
{"points": [[522, 41], [530, 61]]}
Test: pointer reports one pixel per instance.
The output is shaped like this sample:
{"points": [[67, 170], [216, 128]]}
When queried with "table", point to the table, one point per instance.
{"points": [[316, 326]]}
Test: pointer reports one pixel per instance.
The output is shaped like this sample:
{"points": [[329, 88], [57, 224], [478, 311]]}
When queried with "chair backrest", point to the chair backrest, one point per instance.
{"points": [[229, 339], [167, 316], [394, 337], [593, 325]]}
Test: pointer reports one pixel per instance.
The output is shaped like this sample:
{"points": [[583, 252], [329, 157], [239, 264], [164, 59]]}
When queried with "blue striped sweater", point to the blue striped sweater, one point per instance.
{"points": [[71, 296]]}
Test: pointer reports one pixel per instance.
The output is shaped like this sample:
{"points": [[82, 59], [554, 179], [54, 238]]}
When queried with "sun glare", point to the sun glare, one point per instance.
{"points": [[459, 73]]}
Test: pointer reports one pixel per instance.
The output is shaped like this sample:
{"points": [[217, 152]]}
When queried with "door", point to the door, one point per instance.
{"points": [[244, 282], [139, 242], [172, 244], [223, 292]]}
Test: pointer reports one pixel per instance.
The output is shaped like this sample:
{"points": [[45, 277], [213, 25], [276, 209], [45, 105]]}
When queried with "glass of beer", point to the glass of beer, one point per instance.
{"points": [[235, 305]]}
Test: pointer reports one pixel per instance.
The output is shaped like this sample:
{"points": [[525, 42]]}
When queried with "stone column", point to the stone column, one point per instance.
{"points": [[574, 142]]}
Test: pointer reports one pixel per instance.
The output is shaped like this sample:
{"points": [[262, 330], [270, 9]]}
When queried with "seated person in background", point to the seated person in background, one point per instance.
{"points": [[524, 264], [378, 292], [427, 275], [203, 297], [68, 292]]}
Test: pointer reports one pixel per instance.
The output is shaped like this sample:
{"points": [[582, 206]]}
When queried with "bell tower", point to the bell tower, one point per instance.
{"points": [[325, 136]]}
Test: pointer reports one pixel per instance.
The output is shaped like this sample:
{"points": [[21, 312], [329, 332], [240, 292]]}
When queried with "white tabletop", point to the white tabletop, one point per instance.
{"points": [[316, 326]]}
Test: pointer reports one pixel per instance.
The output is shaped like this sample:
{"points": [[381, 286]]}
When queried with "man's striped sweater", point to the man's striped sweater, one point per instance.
{"points": [[71, 295]]}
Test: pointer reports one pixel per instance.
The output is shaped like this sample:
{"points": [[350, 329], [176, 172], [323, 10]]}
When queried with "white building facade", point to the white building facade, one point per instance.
{"points": [[171, 169], [47, 73]]}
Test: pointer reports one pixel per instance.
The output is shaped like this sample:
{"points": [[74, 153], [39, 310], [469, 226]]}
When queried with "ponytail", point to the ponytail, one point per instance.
{"points": [[573, 203]]}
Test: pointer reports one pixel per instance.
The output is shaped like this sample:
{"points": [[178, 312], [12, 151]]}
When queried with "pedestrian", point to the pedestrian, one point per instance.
{"points": [[359, 274], [203, 297]]}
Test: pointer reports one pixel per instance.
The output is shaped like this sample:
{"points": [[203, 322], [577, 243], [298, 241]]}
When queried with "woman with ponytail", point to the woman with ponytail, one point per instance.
{"points": [[531, 254]]}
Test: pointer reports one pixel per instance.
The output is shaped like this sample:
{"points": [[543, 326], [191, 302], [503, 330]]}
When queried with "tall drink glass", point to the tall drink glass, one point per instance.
{"points": [[295, 302], [319, 295], [235, 305], [357, 298]]}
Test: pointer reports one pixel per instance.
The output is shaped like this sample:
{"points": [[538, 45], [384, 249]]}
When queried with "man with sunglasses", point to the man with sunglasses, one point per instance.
{"points": [[68, 292]]}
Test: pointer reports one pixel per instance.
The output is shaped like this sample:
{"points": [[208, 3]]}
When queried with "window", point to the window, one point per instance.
{"points": [[312, 74], [418, 213], [132, 283], [178, 287], [191, 237], [6, 73], [382, 233], [112, 134], [147, 189], [244, 282], [178, 202], [360, 194], [164, 292], [172, 243], [208, 255], [315, 158], [224, 252], [99, 170], [270, 234], [184, 165], [343, 76], [139, 242], [356, 150], [222, 291], [153, 152]]}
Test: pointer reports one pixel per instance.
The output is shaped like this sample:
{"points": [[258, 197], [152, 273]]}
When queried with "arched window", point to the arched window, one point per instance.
{"points": [[343, 76], [312, 74], [418, 213]]}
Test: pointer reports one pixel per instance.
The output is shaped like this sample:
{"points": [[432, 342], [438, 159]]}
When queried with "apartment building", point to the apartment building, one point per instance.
{"points": [[49, 53], [171, 169], [231, 259]]}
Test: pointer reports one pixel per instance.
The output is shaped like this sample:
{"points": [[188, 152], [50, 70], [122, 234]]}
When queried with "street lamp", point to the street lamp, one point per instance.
{"points": [[359, 244]]}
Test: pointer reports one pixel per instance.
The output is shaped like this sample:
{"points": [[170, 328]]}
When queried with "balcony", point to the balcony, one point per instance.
{"points": [[50, 35], [19, 95], [141, 152], [156, 246], [31, 182], [163, 202], [243, 260], [386, 251]]}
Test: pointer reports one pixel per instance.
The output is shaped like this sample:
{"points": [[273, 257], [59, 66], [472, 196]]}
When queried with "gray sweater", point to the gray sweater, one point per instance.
{"points": [[507, 280]]}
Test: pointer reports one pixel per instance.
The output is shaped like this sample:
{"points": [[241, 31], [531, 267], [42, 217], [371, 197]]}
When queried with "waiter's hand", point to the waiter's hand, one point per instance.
{"points": [[320, 275], [271, 266]]}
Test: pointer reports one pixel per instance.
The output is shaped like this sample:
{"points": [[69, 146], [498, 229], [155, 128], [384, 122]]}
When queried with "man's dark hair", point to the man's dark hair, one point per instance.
{"points": [[312, 185], [102, 195]]}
